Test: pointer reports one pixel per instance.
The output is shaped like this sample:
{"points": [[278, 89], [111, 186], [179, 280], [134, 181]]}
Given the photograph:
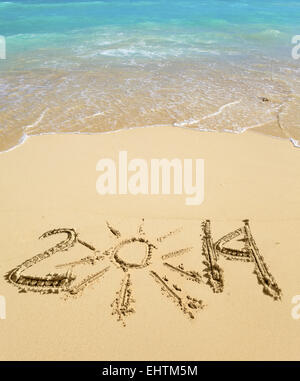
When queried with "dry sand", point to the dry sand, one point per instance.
{"points": [[49, 182]]}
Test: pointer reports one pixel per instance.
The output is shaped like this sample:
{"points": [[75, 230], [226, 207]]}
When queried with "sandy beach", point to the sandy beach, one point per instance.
{"points": [[49, 182]]}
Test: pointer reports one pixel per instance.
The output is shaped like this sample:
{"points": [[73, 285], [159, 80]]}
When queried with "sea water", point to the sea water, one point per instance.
{"points": [[98, 66]]}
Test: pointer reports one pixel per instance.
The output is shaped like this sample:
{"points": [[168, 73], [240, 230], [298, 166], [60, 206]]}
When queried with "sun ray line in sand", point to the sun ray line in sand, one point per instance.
{"points": [[141, 227], [89, 246], [189, 275], [123, 304], [176, 253], [114, 231], [169, 234], [88, 281], [186, 303], [89, 260]]}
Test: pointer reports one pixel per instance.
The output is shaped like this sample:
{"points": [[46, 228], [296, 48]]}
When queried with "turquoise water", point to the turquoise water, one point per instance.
{"points": [[140, 29], [93, 66]]}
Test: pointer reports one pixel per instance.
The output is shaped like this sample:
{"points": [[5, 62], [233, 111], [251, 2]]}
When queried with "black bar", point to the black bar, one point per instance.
{"points": [[136, 369]]}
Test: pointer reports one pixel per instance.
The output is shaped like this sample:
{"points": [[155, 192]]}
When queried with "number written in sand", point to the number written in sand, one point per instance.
{"points": [[139, 253]]}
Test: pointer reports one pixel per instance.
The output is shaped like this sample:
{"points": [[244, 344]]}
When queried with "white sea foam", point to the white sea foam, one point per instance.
{"points": [[38, 121], [21, 141], [221, 109], [295, 142]]}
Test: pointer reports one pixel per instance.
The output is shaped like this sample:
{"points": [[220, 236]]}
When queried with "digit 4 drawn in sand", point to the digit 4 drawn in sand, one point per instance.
{"points": [[249, 253]]}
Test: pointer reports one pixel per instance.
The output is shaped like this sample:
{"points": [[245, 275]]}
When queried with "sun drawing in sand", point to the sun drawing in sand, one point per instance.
{"points": [[125, 255]]}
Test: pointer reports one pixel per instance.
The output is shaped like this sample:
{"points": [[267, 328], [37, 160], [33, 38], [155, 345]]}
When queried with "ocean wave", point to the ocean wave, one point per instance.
{"points": [[187, 93], [58, 4], [6, 4]]}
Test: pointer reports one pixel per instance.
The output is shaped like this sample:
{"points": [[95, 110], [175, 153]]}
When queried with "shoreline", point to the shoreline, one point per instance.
{"points": [[272, 131]]}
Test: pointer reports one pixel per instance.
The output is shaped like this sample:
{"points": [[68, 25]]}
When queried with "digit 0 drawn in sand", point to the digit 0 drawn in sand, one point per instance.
{"points": [[139, 253], [249, 253], [125, 265]]}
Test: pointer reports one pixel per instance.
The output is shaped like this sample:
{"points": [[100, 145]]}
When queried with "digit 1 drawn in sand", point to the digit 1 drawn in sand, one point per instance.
{"points": [[122, 305], [186, 303], [213, 272]]}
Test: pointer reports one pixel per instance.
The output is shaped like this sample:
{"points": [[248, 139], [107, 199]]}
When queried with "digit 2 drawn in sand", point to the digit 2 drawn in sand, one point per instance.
{"points": [[124, 256], [51, 282]]}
